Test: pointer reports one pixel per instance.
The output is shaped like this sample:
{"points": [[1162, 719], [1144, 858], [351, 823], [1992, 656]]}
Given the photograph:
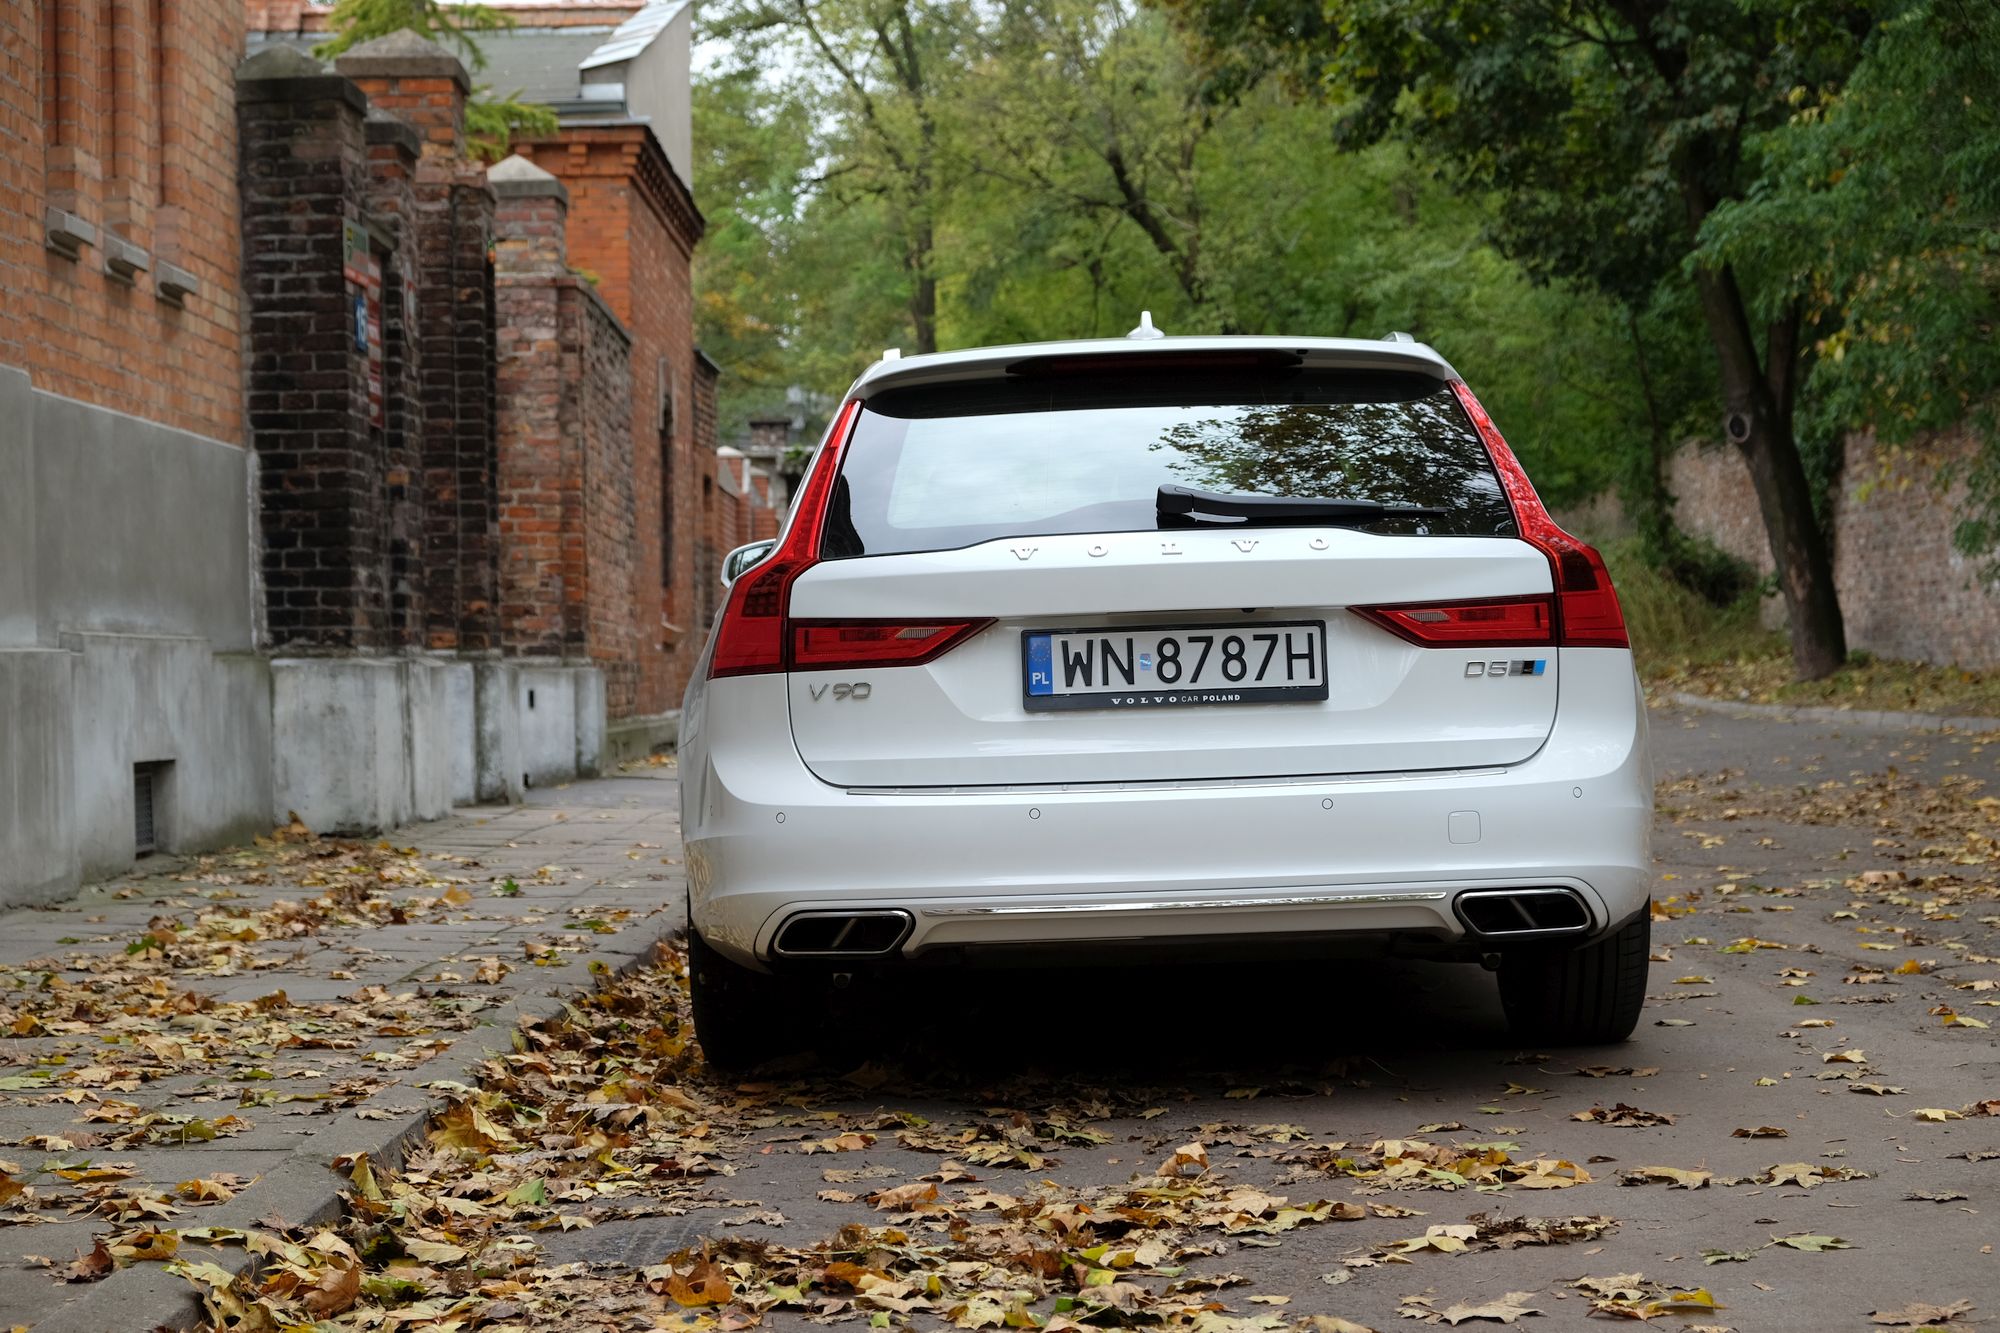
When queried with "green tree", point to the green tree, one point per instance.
{"points": [[1609, 131], [1880, 203], [881, 75], [491, 120], [1082, 177]]}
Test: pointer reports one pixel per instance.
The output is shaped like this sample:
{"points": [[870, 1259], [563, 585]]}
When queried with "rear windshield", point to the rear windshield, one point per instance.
{"points": [[937, 467]]}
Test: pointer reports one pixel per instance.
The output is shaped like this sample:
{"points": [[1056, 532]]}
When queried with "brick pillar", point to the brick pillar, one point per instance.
{"points": [[769, 436], [426, 86], [393, 151], [304, 176], [543, 560]]}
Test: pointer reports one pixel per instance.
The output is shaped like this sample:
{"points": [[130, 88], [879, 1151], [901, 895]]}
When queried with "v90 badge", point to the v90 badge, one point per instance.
{"points": [[1524, 667], [859, 689]]}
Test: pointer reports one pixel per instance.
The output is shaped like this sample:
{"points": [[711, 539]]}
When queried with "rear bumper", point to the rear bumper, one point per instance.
{"points": [[1381, 856]]}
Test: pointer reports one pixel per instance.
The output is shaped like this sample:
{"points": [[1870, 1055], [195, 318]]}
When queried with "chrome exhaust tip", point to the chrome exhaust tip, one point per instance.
{"points": [[864, 934], [1523, 913]]}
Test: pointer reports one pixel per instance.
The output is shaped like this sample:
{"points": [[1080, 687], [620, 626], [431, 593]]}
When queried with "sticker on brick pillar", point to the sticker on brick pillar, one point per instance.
{"points": [[356, 253]]}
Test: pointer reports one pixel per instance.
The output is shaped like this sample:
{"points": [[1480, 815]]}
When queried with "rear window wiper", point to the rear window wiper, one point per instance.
{"points": [[1183, 505]]}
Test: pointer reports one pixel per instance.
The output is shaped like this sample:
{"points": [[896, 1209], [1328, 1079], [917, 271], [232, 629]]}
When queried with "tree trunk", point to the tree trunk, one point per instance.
{"points": [[1658, 519], [1759, 400], [923, 286]]}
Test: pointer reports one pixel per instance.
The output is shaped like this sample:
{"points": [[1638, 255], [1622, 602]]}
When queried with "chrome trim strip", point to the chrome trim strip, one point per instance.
{"points": [[1305, 782], [1192, 904]]}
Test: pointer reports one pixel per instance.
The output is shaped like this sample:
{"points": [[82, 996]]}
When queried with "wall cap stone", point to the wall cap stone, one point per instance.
{"points": [[518, 177], [384, 128], [280, 62], [404, 54], [285, 74]]}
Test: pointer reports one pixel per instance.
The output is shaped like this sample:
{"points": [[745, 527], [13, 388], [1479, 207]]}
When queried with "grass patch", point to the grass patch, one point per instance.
{"points": [[1865, 683], [1684, 643], [1673, 628]]}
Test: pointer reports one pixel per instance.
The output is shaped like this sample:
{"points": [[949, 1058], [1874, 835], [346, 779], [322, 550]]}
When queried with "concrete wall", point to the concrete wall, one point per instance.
{"points": [[1905, 592], [125, 638], [365, 743]]}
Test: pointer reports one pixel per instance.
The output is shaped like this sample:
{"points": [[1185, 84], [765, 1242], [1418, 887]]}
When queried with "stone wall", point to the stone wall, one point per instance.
{"points": [[1905, 592]]}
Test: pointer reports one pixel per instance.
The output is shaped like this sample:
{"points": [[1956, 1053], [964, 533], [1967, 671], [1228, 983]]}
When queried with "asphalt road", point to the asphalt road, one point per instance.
{"points": [[1836, 858]]}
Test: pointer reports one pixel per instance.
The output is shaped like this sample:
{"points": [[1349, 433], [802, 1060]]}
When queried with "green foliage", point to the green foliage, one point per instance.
{"points": [[491, 120], [1606, 132], [1077, 176], [1879, 203], [450, 25], [1675, 626]]}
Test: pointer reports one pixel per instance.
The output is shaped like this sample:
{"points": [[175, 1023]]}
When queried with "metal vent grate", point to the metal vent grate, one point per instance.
{"points": [[146, 783]]}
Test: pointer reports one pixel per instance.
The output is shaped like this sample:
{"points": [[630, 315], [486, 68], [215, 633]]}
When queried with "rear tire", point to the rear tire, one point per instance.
{"points": [[741, 1017], [1587, 996]]}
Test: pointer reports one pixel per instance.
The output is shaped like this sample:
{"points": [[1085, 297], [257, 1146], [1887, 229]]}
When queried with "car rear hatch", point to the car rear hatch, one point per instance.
{"points": [[1011, 533]]}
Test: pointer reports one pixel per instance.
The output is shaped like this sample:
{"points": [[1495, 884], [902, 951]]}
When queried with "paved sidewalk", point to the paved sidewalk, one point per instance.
{"points": [[194, 1044]]}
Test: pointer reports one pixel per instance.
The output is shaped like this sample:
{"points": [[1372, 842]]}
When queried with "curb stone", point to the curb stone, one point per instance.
{"points": [[303, 1190], [1852, 718]]}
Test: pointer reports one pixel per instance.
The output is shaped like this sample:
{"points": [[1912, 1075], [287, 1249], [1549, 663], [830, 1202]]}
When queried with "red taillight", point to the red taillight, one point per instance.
{"points": [[1497, 622], [829, 646], [751, 635], [1587, 613]]}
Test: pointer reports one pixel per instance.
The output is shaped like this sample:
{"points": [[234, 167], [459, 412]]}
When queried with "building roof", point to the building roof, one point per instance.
{"points": [[636, 33], [538, 63]]}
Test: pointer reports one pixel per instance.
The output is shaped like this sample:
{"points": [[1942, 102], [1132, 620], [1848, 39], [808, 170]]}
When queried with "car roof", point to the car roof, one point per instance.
{"points": [[1398, 353]]}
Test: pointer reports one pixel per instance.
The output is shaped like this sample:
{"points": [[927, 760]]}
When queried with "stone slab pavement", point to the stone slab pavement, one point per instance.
{"points": [[196, 1042]]}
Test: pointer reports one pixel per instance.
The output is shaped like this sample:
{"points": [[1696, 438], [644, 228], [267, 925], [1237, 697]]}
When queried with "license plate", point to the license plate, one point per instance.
{"points": [[1173, 666]]}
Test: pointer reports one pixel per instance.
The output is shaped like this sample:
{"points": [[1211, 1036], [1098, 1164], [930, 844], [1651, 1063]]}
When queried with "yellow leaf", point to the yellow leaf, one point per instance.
{"points": [[433, 1251]]}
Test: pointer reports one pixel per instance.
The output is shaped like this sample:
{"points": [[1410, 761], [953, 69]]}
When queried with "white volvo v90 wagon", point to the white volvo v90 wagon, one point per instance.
{"points": [[1195, 647]]}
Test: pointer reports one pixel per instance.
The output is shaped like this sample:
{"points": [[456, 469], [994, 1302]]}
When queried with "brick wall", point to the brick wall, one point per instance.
{"points": [[413, 80], [600, 369], [118, 113], [1904, 591], [540, 479], [569, 542], [393, 153], [305, 176], [632, 229]]}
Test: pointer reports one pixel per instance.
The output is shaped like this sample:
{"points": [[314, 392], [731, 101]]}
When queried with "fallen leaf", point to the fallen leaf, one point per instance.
{"points": [[1624, 1117], [92, 1267], [1920, 1314], [1671, 1175]]}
